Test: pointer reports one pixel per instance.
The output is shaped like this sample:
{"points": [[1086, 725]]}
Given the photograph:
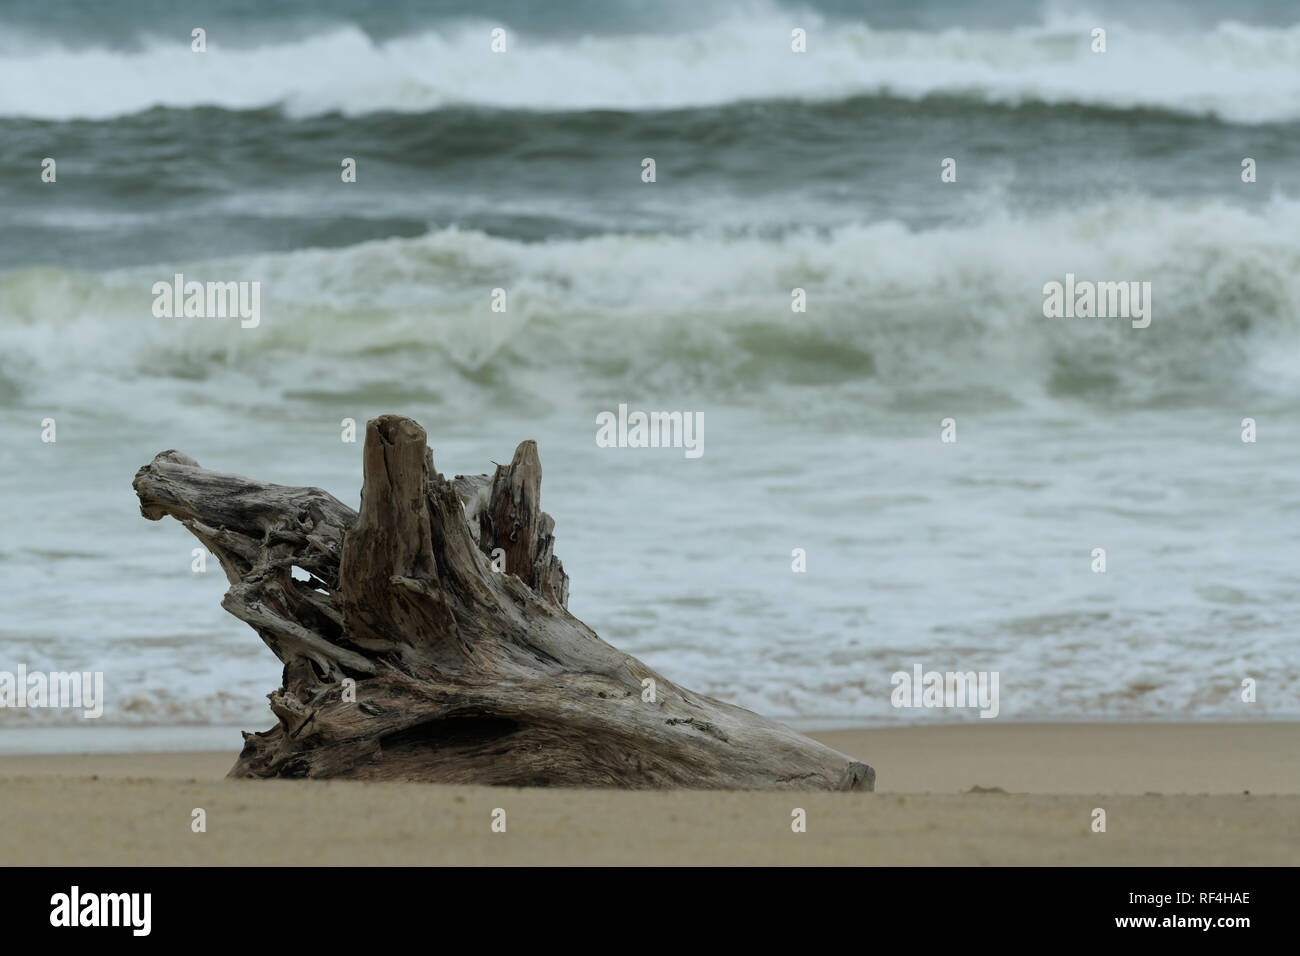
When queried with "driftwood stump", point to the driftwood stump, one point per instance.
{"points": [[432, 640]]}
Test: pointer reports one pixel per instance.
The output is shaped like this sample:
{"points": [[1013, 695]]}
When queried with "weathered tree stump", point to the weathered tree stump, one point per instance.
{"points": [[407, 656]]}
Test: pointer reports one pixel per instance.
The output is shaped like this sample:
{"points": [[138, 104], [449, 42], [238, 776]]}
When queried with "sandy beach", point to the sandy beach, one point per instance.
{"points": [[1179, 794]]}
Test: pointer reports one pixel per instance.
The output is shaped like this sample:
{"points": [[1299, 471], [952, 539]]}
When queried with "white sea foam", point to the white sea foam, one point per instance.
{"points": [[973, 556], [956, 304], [1242, 73]]}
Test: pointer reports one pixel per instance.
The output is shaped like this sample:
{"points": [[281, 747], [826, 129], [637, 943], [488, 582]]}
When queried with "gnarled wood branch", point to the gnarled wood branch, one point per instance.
{"points": [[409, 656]]}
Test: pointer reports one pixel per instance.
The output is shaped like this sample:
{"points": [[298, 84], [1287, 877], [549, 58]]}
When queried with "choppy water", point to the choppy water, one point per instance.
{"points": [[775, 171]]}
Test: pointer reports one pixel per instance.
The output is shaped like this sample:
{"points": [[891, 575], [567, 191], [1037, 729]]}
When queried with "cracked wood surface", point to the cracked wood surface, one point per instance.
{"points": [[407, 656]]}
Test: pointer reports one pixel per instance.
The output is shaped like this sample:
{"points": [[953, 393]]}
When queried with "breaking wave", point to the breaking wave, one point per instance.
{"points": [[1237, 72]]}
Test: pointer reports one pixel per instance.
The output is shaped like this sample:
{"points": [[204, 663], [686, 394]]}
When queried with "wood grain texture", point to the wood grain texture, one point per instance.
{"points": [[408, 656]]}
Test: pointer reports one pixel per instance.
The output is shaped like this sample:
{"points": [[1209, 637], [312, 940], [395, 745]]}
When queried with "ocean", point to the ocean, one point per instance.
{"points": [[774, 171]]}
